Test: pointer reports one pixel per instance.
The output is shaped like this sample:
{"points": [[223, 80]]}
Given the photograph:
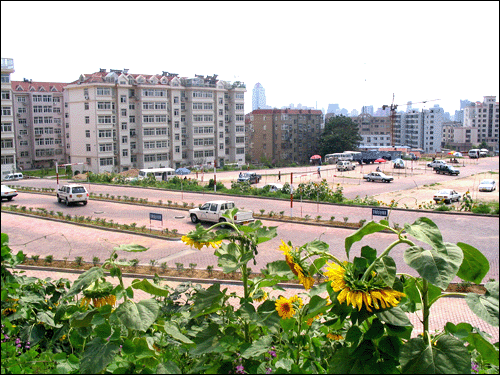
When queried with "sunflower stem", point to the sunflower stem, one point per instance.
{"points": [[426, 309], [385, 253], [446, 295]]}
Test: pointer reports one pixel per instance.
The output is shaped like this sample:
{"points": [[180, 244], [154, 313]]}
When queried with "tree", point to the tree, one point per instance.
{"points": [[340, 134]]}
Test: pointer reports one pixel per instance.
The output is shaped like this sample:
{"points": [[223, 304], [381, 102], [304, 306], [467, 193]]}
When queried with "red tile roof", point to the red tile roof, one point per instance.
{"points": [[47, 86]]}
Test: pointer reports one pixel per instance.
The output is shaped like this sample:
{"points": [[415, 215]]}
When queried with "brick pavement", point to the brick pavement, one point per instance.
{"points": [[449, 309]]}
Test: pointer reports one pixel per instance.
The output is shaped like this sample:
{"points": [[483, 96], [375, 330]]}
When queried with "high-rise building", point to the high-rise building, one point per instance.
{"points": [[40, 123], [119, 120], [332, 108], [288, 135], [458, 137], [367, 109], [8, 147], [258, 97], [484, 117]]}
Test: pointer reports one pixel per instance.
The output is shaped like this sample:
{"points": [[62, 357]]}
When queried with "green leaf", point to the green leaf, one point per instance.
{"points": [[103, 330], [461, 330], [206, 301], [486, 307], [128, 347], [258, 347], [369, 253], [98, 354], [143, 349], [386, 270], [448, 356], [484, 347], [82, 319], [368, 228], [395, 317], [138, 316], [438, 267], [284, 363], [146, 286], [375, 331], [287, 324], [424, 229], [475, 266], [84, 280], [353, 334], [170, 368], [172, 330], [131, 248]]}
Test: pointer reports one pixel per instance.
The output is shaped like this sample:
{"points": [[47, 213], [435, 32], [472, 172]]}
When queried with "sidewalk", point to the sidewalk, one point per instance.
{"points": [[450, 309]]}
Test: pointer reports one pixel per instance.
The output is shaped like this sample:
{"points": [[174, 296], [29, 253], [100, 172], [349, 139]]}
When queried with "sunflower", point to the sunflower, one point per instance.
{"points": [[259, 296], [371, 293], [285, 308], [99, 294], [292, 258], [199, 244], [334, 336]]}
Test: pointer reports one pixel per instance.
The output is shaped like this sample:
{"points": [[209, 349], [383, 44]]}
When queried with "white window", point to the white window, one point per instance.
{"points": [[101, 91], [105, 161], [103, 105], [105, 147]]}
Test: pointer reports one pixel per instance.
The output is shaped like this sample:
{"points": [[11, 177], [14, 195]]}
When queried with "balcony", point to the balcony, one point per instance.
{"points": [[8, 64]]}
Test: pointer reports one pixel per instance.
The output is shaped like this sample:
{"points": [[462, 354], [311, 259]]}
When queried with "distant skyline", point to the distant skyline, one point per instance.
{"points": [[354, 54]]}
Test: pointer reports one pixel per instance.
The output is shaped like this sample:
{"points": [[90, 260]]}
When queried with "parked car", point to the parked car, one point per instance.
{"points": [[436, 163], [72, 193], [446, 196], [212, 211], [483, 152], [378, 176], [252, 177], [8, 193], [274, 187], [14, 176], [345, 165], [447, 169], [398, 163], [487, 185]]}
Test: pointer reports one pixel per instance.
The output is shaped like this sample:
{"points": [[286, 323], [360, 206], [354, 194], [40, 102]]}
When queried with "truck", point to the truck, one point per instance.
{"points": [[212, 212], [250, 177], [369, 157]]}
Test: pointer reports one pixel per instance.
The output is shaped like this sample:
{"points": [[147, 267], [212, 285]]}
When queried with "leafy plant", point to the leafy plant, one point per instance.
{"points": [[95, 261], [49, 259], [79, 261]]}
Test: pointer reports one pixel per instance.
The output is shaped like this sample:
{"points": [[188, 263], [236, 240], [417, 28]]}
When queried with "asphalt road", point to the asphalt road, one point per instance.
{"points": [[66, 240]]}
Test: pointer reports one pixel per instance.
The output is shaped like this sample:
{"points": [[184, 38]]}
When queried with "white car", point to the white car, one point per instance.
{"points": [[446, 196], [72, 193], [274, 187], [8, 193], [487, 185], [436, 163], [378, 176]]}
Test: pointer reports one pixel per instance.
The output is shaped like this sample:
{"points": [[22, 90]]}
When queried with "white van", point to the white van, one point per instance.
{"points": [[13, 176], [474, 153], [345, 165]]}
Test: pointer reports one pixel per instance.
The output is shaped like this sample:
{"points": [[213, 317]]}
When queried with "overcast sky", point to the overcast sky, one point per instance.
{"points": [[313, 53]]}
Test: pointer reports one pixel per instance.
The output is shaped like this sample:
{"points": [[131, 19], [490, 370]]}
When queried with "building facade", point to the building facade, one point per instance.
{"points": [[8, 147], [484, 117], [119, 121], [39, 124], [258, 97], [458, 137], [284, 135], [375, 130]]}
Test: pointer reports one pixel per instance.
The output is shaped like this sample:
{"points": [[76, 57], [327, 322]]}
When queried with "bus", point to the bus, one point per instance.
{"points": [[161, 174], [340, 156]]}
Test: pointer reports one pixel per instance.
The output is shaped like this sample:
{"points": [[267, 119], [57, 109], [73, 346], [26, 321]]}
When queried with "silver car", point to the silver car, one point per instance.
{"points": [[487, 185]]}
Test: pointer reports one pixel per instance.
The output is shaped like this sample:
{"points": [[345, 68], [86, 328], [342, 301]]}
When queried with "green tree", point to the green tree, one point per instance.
{"points": [[340, 134]]}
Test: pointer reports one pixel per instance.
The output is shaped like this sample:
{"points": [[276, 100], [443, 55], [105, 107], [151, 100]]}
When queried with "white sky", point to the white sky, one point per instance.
{"points": [[349, 53]]}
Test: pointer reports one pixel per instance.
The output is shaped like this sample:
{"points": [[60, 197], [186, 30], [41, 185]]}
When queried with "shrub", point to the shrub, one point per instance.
{"points": [[346, 219], [481, 208], [163, 266], [192, 266], [49, 259], [95, 261], [179, 266], [79, 261], [35, 258], [134, 262], [210, 270], [152, 263]]}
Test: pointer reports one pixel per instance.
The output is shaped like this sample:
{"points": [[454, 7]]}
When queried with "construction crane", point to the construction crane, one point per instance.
{"points": [[393, 108]]}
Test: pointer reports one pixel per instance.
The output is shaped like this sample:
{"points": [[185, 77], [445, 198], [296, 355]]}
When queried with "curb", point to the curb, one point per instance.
{"points": [[168, 278]]}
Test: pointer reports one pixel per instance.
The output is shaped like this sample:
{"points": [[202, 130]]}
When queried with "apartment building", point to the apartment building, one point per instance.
{"points": [[458, 137], [375, 131], [484, 117], [288, 135], [8, 147], [433, 119], [119, 120], [39, 123]]}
